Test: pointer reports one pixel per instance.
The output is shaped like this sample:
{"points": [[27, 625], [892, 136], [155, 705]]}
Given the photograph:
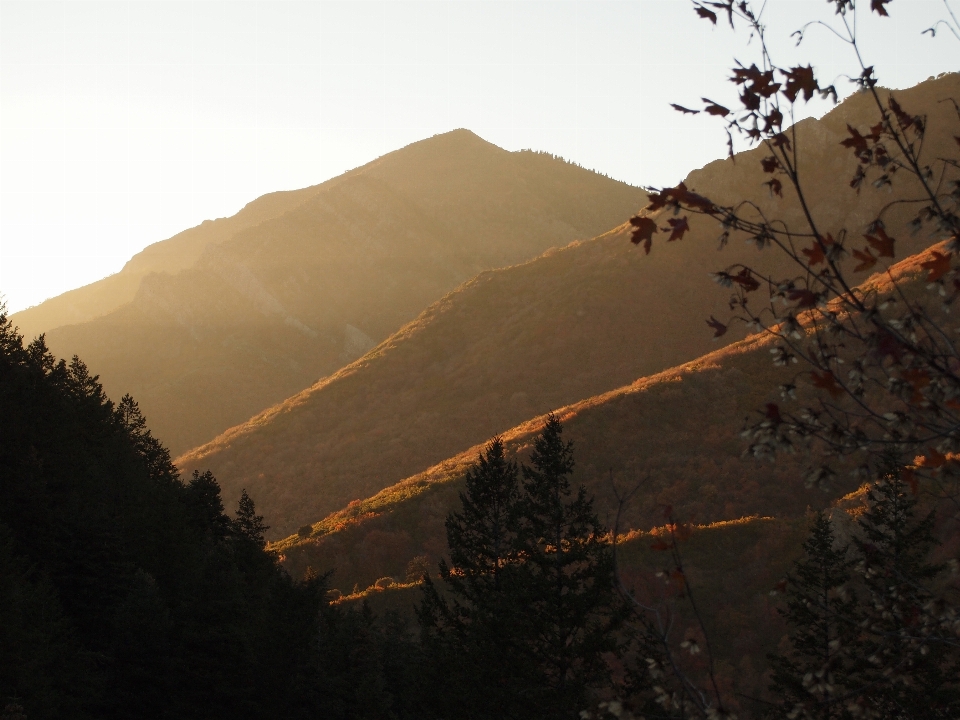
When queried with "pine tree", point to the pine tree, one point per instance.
{"points": [[247, 523], [811, 680], [907, 662], [472, 639], [571, 605]]}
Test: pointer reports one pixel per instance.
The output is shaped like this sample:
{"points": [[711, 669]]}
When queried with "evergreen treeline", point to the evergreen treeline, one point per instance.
{"points": [[128, 593]]}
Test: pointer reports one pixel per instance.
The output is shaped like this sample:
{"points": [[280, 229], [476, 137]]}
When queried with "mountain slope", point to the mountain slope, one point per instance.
{"points": [[675, 434], [520, 341], [170, 256], [292, 299]]}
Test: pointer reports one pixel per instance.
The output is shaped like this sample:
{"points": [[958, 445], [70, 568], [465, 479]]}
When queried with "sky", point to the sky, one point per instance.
{"points": [[125, 122]]}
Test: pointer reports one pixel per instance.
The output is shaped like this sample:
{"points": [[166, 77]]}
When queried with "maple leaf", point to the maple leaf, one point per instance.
{"points": [[780, 140], [704, 13], [875, 132], [713, 108], [776, 187], [774, 119], [718, 327], [878, 6], [685, 111], [800, 80], [770, 164], [680, 194], [679, 227], [746, 280], [866, 258], [957, 138], [882, 243], [643, 230], [826, 381], [856, 141], [750, 100], [814, 254], [938, 266], [804, 298]]}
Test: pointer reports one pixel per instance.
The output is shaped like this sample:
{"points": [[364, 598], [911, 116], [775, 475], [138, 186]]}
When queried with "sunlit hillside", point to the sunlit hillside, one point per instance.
{"points": [[514, 343], [675, 434], [167, 256], [326, 274]]}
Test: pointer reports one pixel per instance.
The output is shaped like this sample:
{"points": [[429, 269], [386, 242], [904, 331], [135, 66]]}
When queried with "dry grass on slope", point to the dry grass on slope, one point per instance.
{"points": [[675, 433], [515, 343]]}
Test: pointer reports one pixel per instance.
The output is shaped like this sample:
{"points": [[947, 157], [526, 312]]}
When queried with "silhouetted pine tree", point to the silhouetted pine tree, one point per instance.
{"points": [[571, 610], [247, 523], [811, 680], [906, 660], [472, 639]]}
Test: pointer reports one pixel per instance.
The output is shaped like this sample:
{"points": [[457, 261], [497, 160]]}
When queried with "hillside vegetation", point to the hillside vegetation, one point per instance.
{"points": [[517, 342], [311, 280], [676, 434]]}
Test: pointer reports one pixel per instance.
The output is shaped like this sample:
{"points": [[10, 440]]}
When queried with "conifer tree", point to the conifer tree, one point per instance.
{"points": [[906, 661], [571, 605], [247, 523], [473, 639], [810, 681]]}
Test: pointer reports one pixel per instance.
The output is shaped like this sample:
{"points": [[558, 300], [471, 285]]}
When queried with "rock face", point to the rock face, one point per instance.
{"points": [[520, 341], [314, 279]]}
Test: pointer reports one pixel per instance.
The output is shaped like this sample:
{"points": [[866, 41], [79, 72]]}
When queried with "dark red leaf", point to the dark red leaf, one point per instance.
{"points": [[679, 226], [704, 13], [718, 327], [746, 280], [776, 188], [800, 80], [826, 381], [770, 164], [866, 258], [773, 413], [643, 230], [882, 243], [713, 108], [814, 254], [938, 266], [856, 141], [804, 298], [878, 6], [681, 108]]}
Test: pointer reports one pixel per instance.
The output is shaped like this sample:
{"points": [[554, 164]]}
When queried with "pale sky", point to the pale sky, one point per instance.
{"points": [[123, 123]]}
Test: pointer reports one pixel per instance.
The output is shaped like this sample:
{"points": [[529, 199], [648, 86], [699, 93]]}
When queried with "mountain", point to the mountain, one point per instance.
{"points": [[517, 342], [168, 256], [674, 435], [326, 274]]}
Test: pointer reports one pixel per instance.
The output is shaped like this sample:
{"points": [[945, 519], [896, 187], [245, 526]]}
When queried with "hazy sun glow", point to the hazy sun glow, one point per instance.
{"points": [[122, 123]]}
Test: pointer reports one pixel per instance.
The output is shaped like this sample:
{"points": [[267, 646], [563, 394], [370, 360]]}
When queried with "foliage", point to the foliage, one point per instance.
{"points": [[811, 679], [527, 609], [125, 592], [878, 384]]}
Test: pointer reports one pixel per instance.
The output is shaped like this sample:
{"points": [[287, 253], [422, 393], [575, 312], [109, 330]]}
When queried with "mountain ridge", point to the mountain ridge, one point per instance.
{"points": [[519, 341]]}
